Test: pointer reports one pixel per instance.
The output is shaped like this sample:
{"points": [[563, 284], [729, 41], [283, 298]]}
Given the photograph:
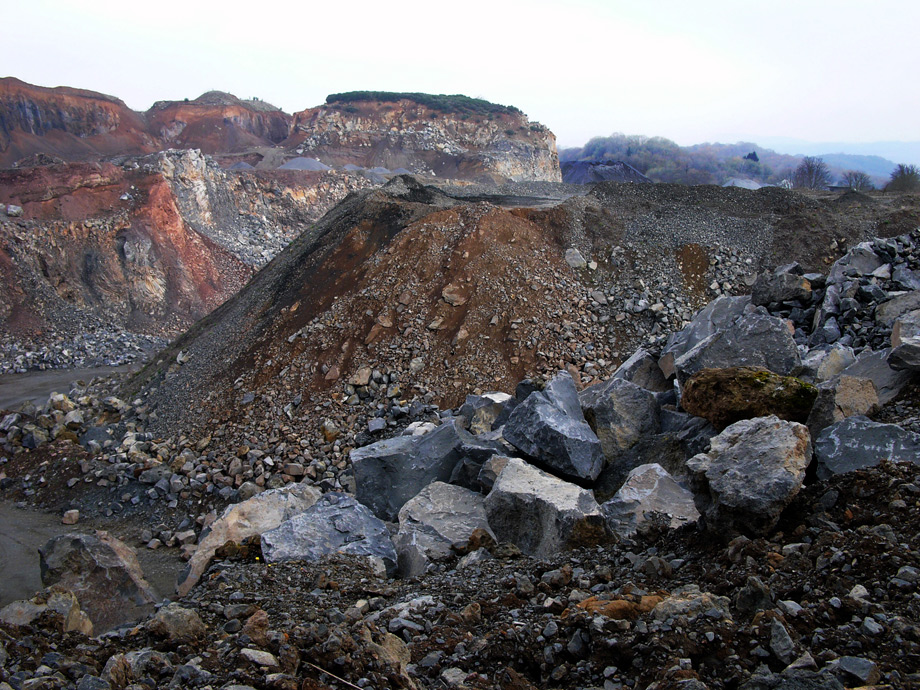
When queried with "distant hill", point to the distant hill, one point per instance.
{"points": [[897, 151], [663, 160]]}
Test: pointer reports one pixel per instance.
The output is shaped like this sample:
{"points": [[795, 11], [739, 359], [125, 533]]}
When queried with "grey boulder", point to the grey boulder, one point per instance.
{"points": [[550, 428], [649, 491], [336, 523], [542, 514], [642, 369], [435, 524], [888, 312], [714, 317], [874, 365], [858, 442], [905, 342], [754, 340], [785, 284], [753, 470], [620, 413], [839, 398]]}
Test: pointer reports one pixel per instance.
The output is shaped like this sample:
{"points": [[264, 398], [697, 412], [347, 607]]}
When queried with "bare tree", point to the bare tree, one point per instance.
{"points": [[812, 173], [857, 180], [905, 178]]}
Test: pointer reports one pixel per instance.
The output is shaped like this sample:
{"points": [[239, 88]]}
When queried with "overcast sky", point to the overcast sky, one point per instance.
{"points": [[709, 70]]}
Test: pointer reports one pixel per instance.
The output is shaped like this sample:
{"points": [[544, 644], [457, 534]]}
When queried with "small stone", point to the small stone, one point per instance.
{"points": [[71, 517]]}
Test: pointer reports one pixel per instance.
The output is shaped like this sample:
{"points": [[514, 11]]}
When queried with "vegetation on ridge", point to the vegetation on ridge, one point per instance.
{"points": [[443, 103]]}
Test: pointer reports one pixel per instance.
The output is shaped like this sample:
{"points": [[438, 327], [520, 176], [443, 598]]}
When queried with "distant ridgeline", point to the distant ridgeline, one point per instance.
{"points": [[456, 103]]}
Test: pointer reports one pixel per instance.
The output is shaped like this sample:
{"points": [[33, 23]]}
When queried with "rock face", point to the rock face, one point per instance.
{"points": [[66, 122], [540, 513], [725, 396], [858, 442], [440, 517], [250, 518], [752, 471], [649, 493], [422, 138], [336, 523], [217, 122], [103, 573], [549, 427]]}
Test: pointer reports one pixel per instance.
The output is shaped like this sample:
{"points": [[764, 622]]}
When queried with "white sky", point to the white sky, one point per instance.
{"points": [[692, 71]]}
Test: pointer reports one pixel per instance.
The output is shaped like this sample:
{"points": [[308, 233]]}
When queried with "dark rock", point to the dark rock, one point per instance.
{"points": [[858, 442], [549, 428], [873, 365], [714, 317], [336, 523], [647, 492], [839, 398], [642, 369], [620, 413], [785, 284]]}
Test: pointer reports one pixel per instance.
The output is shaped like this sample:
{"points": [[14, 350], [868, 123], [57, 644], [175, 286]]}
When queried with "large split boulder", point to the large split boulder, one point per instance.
{"points": [[481, 411], [541, 513], [858, 442], [714, 317], [753, 469], [786, 284], [550, 428], [725, 396], [103, 573], [390, 472], [755, 339], [649, 493], [436, 524], [252, 517], [336, 523], [887, 313], [620, 413], [643, 370]]}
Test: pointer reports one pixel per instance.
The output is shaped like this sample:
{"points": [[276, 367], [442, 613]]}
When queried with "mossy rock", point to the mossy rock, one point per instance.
{"points": [[725, 396]]}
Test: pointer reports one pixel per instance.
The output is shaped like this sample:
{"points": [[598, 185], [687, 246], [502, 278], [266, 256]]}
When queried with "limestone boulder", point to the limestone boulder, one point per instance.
{"points": [[336, 523], [252, 517], [754, 340], [714, 317], [786, 284], [839, 398], [643, 370], [905, 342], [177, 625], [103, 573], [550, 429], [857, 442], [481, 411], [874, 365], [59, 602], [390, 472], [435, 524], [620, 413], [540, 513], [649, 492], [725, 396], [890, 311], [753, 470]]}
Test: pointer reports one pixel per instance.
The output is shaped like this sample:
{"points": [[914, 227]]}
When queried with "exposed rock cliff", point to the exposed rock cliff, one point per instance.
{"points": [[218, 122], [67, 122], [407, 134]]}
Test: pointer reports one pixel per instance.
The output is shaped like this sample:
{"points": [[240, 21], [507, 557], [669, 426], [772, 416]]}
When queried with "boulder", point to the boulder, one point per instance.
{"points": [[642, 369], [490, 471], [753, 469], [905, 342], [431, 524], [648, 491], [725, 396], [754, 340], [56, 601], [620, 413], [474, 452], [336, 523], [858, 442], [839, 398], [481, 411], [888, 312], [390, 472], [785, 284], [177, 625], [250, 518], [689, 601], [874, 365], [824, 363], [549, 428], [542, 514], [714, 317], [103, 573]]}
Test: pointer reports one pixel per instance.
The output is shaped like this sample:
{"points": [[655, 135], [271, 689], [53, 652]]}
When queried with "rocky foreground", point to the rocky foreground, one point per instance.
{"points": [[734, 507]]}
